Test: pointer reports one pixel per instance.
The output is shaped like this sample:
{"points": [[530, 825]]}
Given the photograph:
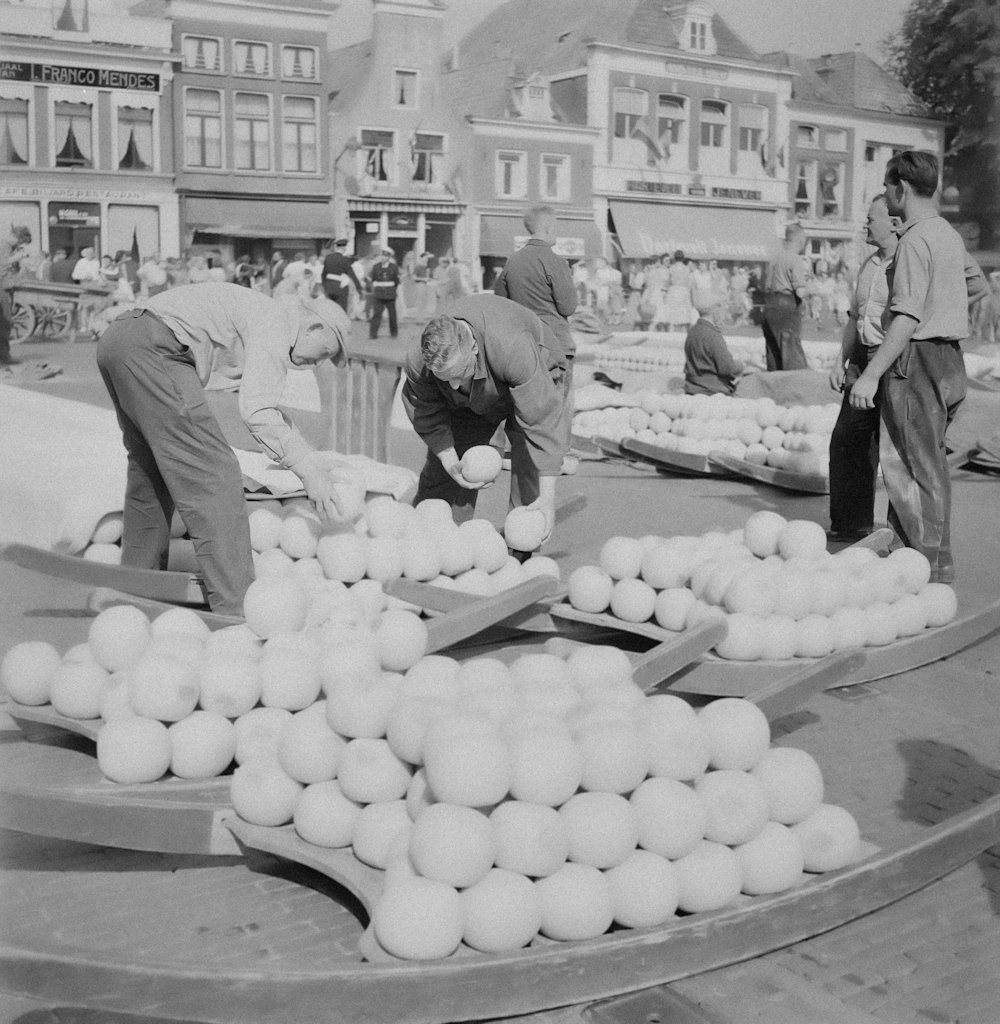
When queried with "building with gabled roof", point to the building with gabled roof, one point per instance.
{"points": [[396, 142], [847, 117], [682, 114]]}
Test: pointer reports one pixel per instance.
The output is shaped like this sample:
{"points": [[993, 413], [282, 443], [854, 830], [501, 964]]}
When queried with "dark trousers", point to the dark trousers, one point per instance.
{"points": [[854, 457], [340, 296], [783, 332], [921, 393], [468, 429], [389, 305], [177, 458], [6, 324]]}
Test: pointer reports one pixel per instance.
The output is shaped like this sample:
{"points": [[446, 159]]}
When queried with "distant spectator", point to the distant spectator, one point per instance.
{"points": [[709, 366], [13, 249], [152, 276], [87, 269]]}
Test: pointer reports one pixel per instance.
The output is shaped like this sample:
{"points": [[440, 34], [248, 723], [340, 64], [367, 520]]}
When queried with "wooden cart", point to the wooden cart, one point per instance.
{"points": [[53, 310]]}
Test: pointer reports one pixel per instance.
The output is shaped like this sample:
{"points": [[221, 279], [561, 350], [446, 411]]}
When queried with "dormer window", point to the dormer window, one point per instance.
{"points": [[694, 27]]}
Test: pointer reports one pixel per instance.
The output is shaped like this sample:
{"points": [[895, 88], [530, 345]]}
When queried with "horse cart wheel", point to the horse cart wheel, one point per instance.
{"points": [[53, 321], [22, 322]]}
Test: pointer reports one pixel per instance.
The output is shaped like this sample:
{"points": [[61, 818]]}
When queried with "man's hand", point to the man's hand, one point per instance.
{"points": [[453, 467], [547, 508], [863, 392], [319, 486], [837, 375], [319, 483]]}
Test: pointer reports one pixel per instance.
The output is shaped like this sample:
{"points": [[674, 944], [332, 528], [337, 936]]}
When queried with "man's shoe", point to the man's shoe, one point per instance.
{"points": [[8, 361]]}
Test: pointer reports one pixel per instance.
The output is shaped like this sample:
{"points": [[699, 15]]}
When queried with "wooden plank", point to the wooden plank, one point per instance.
{"points": [[530, 980], [664, 660], [672, 461], [563, 610], [788, 693], [809, 483], [104, 597], [59, 792], [175, 587], [476, 616], [363, 882]]}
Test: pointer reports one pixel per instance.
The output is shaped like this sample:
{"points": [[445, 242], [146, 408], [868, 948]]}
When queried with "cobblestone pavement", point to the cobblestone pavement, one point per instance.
{"points": [[901, 753]]}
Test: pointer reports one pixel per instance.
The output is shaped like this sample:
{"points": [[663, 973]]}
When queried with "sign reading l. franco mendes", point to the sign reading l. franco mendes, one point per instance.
{"points": [[64, 74]]}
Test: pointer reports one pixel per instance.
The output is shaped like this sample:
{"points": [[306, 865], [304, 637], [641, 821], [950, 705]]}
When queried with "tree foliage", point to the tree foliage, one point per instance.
{"points": [[947, 53]]}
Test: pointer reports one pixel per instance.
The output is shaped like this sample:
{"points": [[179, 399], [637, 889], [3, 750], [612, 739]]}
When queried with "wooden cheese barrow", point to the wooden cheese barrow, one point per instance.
{"points": [[471, 986]]}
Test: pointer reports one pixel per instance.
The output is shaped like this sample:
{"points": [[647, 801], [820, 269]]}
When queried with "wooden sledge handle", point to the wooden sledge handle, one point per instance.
{"points": [[476, 616], [160, 585], [790, 692], [665, 659]]}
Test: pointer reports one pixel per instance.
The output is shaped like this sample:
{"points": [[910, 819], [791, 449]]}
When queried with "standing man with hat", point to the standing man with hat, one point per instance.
{"points": [[338, 274], [155, 362], [384, 280], [784, 290]]}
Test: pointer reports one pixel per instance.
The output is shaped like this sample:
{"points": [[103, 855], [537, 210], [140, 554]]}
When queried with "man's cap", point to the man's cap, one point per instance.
{"points": [[341, 242], [388, 252], [22, 232], [336, 320], [679, 255]]}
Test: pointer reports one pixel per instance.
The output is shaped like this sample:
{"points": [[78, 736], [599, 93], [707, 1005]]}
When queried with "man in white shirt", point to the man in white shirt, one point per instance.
{"points": [[88, 267], [155, 362], [854, 441]]}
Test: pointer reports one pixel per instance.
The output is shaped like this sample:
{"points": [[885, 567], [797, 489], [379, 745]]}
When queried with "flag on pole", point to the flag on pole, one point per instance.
{"points": [[135, 245]]}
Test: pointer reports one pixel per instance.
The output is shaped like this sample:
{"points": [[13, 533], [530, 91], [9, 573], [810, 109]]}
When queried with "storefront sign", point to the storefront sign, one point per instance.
{"points": [[696, 71], [58, 192], [663, 187], [736, 193], [64, 74], [84, 215], [696, 190]]}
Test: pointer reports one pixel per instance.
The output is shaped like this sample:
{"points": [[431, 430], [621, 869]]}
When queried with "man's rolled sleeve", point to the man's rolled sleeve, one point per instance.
{"points": [[427, 410]]}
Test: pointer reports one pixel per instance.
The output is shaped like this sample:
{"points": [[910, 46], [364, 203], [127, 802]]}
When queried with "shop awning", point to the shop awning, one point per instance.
{"points": [[575, 239], [702, 232], [259, 218]]}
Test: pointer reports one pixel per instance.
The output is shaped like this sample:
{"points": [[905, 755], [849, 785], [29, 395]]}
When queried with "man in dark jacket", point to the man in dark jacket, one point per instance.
{"points": [[338, 275], [536, 278], [481, 365], [384, 281]]}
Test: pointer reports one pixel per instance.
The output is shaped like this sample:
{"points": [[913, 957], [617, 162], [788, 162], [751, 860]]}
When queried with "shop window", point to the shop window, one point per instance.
{"points": [[835, 139], [511, 174], [629, 110], [74, 135], [299, 135], [805, 188], [671, 121], [299, 62], [252, 59], [427, 158], [202, 128], [251, 132], [404, 88], [13, 131], [753, 129], [714, 118], [202, 53], [807, 136], [831, 191], [555, 177], [135, 139], [376, 155]]}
